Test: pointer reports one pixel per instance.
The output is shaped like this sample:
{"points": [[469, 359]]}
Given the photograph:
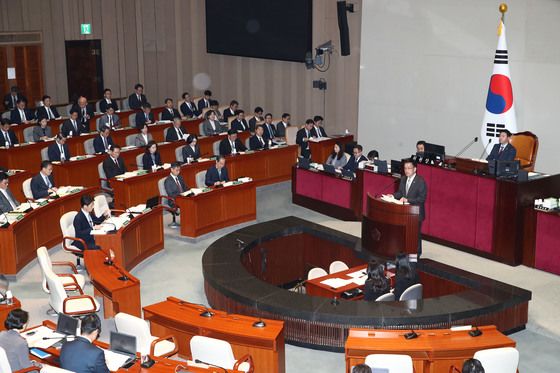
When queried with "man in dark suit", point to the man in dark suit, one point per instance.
{"points": [[85, 113], [47, 110], [302, 138], [114, 165], [282, 125], [174, 183], [103, 142], [110, 119], [7, 136], [217, 174], [318, 130], [145, 116], [231, 110], [257, 142], [503, 151], [204, 102], [10, 100], [413, 190], [169, 112], [240, 124], [420, 147], [231, 144], [138, 99], [7, 200], [269, 129], [357, 157], [188, 108], [72, 126], [21, 115], [107, 101], [59, 150], [176, 132], [258, 117], [81, 355], [85, 221], [42, 184]]}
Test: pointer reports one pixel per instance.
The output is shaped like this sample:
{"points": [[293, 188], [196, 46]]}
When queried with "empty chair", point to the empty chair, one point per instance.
{"points": [[70, 281], [68, 235], [291, 133], [390, 363], [201, 128], [413, 292], [124, 105], [316, 272], [45, 154], [219, 353], [88, 147], [103, 178], [28, 134], [179, 153], [498, 360], [139, 163], [200, 179], [6, 114], [337, 266], [26, 186], [527, 145], [216, 147], [130, 140], [388, 297], [165, 133], [146, 343], [169, 203], [132, 119], [247, 140], [69, 305]]}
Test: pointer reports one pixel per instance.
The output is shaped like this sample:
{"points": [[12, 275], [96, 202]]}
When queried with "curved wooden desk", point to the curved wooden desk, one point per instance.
{"points": [[434, 351], [183, 320], [16, 184], [136, 241], [39, 227]]}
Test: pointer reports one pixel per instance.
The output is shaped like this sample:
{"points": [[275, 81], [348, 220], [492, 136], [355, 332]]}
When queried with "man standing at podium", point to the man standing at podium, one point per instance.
{"points": [[412, 189]]}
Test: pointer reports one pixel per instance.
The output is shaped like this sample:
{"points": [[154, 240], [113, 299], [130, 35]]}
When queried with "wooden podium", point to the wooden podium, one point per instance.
{"points": [[390, 228]]}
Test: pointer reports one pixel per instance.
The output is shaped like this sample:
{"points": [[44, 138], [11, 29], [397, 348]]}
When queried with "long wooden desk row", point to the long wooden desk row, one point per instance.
{"points": [[479, 214]]}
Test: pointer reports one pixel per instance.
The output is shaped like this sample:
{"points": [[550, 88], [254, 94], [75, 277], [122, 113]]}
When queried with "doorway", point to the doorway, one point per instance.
{"points": [[84, 69]]}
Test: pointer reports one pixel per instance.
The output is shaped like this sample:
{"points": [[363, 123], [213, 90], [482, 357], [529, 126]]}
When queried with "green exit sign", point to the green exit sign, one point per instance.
{"points": [[85, 28]]}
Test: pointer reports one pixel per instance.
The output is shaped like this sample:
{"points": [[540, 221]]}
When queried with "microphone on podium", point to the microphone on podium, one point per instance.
{"points": [[485, 148], [467, 146]]}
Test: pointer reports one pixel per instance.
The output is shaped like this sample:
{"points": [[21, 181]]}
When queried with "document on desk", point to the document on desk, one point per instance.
{"points": [[360, 273], [114, 360], [391, 199], [336, 282], [34, 337], [360, 281]]}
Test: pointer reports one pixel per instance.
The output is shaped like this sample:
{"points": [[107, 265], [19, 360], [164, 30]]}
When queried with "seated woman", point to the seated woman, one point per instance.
{"points": [[42, 131], [151, 158], [405, 275], [13, 343], [191, 150], [376, 284], [337, 157], [143, 137]]}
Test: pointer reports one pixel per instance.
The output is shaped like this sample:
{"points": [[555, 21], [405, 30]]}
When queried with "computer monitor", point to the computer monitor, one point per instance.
{"points": [[434, 149], [304, 163], [396, 167], [66, 325], [329, 168], [122, 343], [152, 202], [381, 166], [507, 168]]}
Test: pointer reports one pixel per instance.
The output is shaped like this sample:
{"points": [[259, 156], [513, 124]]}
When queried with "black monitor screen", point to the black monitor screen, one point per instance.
{"points": [[66, 325], [273, 29], [122, 343]]}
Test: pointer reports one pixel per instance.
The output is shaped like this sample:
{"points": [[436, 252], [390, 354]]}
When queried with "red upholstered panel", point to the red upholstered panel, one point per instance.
{"points": [[485, 214], [547, 250], [309, 184], [336, 191], [453, 206], [426, 173], [375, 184]]}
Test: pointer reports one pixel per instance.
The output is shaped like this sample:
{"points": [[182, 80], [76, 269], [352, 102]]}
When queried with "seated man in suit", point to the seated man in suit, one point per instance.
{"points": [[231, 110], [211, 126], [143, 137], [145, 116], [7, 200], [10, 100], [318, 130], [217, 174], [258, 117], [107, 101], [85, 221], [420, 148], [81, 355], [72, 126], [191, 151], [114, 165], [13, 343], [231, 144], [302, 138], [169, 112], [204, 102], [269, 129], [47, 110], [137, 99], [8, 137], [239, 124], [188, 108], [257, 141], [215, 106], [412, 189], [174, 183], [110, 119], [282, 125], [59, 150], [85, 113], [503, 151], [103, 142], [21, 115], [356, 158], [42, 184], [42, 131], [177, 132]]}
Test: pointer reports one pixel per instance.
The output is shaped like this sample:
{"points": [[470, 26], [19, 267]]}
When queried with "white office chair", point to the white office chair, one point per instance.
{"points": [[26, 186], [200, 179], [179, 154], [132, 120], [28, 134], [201, 129], [388, 297], [169, 203], [165, 133], [337, 266], [45, 154], [316, 272], [139, 163], [498, 360], [390, 363], [124, 104], [98, 107], [67, 108], [71, 281], [69, 305], [88, 147], [219, 353], [68, 235], [130, 140], [291, 133], [216, 147], [103, 178], [247, 141], [413, 292], [146, 343], [6, 114], [347, 156]]}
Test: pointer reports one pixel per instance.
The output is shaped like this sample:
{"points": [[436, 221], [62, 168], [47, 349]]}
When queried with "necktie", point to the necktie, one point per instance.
{"points": [[44, 131], [75, 125], [22, 114], [104, 142], [139, 98], [8, 143], [14, 99], [261, 141], [117, 163], [178, 184], [501, 150], [146, 115], [47, 182], [89, 220], [62, 155], [219, 174], [233, 147], [110, 121], [50, 113], [408, 183], [179, 134], [84, 113]]}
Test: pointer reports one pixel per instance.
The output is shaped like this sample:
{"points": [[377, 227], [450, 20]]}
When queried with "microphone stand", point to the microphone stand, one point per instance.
{"points": [[485, 148], [467, 147]]}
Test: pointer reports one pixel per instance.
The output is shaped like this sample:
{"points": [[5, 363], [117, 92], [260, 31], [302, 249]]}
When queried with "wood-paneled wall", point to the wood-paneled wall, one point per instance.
{"points": [[162, 44]]}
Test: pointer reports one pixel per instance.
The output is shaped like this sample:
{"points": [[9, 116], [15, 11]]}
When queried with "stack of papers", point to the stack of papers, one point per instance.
{"points": [[336, 282], [245, 179], [68, 189], [114, 360], [138, 208], [125, 148], [392, 199], [34, 337]]}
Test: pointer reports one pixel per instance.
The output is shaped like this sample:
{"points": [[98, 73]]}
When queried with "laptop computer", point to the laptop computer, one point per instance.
{"points": [[347, 174], [152, 202], [67, 325], [329, 168], [121, 352]]}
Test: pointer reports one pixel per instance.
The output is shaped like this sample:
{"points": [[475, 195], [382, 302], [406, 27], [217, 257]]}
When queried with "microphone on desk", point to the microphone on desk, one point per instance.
{"points": [[205, 313], [113, 224], [467, 146], [29, 201], [130, 213], [476, 332], [386, 187], [65, 338], [485, 148], [198, 361], [411, 335]]}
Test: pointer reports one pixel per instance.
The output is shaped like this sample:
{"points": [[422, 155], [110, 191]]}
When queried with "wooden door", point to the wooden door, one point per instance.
{"points": [[84, 68]]}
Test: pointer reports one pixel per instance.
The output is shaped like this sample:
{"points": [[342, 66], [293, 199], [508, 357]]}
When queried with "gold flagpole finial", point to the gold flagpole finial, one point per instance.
{"points": [[503, 9]]}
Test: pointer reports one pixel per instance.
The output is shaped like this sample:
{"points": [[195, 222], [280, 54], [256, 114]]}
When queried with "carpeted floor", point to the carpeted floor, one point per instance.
{"points": [[538, 345]]}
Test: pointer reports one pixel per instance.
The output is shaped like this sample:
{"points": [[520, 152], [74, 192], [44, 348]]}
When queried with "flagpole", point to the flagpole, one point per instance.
{"points": [[503, 9]]}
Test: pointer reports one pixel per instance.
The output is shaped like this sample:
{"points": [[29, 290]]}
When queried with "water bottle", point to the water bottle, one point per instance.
{"points": [[9, 298]]}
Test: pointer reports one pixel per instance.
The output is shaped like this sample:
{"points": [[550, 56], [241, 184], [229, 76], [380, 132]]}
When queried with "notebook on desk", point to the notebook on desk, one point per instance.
{"points": [[121, 352]]}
